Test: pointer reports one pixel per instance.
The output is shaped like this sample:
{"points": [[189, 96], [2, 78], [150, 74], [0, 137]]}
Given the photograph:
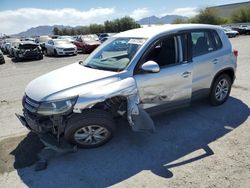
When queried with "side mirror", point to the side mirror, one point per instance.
{"points": [[150, 66]]}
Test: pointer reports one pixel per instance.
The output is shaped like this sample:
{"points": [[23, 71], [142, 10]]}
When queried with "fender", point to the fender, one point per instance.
{"points": [[136, 116], [231, 72]]}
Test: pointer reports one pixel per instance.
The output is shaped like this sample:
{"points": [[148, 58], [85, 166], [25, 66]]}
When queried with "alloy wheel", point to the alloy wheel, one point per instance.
{"points": [[221, 90], [91, 135]]}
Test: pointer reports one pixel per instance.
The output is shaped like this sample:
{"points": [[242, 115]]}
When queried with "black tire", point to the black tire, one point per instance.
{"points": [[40, 57], [46, 52], [88, 119], [212, 97], [55, 53], [83, 50], [17, 58], [2, 61]]}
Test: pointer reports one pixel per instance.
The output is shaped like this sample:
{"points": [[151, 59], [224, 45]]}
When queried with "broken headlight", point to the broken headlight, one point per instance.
{"points": [[56, 107]]}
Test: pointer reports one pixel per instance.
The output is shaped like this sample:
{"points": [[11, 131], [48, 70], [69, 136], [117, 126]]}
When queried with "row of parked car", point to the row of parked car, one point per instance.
{"points": [[35, 48], [234, 31]]}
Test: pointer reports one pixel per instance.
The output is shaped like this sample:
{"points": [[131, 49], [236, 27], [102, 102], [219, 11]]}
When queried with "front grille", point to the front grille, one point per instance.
{"points": [[30, 104], [69, 49]]}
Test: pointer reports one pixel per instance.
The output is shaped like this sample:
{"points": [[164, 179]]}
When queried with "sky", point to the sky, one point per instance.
{"points": [[19, 15]]}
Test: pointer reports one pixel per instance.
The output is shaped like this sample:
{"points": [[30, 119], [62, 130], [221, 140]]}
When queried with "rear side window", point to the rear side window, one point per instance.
{"points": [[204, 42], [217, 40]]}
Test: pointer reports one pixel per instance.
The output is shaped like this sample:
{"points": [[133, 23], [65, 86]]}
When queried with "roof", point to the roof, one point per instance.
{"points": [[149, 32]]}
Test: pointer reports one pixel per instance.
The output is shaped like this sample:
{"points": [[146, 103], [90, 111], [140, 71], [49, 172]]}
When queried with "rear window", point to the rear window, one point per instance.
{"points": [[204, 42]]}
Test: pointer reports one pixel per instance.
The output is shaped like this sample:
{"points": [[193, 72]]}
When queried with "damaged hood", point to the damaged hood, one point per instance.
{"points": [[72, 80]]}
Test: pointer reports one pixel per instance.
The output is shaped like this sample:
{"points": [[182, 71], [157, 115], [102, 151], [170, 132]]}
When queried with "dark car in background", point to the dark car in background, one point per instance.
{"points": [[28, 50], [13, 46], [41, 40], [2, 61], [102, 35], [242, 29], [86, 44]]}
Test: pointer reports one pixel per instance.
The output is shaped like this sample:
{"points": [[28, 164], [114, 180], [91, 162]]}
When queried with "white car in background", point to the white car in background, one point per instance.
{"points": [[56, 47], [231, 33]]}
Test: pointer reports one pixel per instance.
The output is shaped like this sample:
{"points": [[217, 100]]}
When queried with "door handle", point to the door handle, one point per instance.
{"points": [[186, 74], [215, 61]]}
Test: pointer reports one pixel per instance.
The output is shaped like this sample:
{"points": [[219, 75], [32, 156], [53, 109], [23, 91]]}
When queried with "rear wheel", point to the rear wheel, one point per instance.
{"points": [[220, 90], [55, 53], [2, 61], [83, 50], [17, 58], [41, 56], [46, 52], [91, 129]]}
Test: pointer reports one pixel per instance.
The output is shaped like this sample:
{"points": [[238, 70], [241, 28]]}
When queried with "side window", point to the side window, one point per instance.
{"points": [[202, 42], [164, 52], [217, 40]]}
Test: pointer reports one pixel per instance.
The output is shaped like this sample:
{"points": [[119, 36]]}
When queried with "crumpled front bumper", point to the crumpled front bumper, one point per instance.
{"points": [[30, 123], [49, 140]]}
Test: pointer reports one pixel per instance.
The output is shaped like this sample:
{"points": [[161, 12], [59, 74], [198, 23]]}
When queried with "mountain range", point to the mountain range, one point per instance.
{"points": [[48, 30], [168, 19], [40, 30]]}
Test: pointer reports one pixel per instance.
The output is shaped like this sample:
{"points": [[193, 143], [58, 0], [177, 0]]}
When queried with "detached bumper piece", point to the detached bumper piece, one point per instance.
{"points": [[47, 139]]}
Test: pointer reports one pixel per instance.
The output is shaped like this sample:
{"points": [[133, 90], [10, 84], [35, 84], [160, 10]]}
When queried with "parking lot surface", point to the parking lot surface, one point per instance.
{"points": [[199, 146]]}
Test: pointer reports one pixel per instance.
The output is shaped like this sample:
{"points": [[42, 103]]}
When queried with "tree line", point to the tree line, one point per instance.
{"points": [[113, 26], [211, 16], [205, 16]]}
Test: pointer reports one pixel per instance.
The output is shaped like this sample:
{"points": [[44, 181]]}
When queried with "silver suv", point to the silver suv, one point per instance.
{"points": [[131, 75]]}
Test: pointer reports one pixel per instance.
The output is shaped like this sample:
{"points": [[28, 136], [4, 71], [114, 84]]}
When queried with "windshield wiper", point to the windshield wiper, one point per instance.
{"points": [[90, 66]]}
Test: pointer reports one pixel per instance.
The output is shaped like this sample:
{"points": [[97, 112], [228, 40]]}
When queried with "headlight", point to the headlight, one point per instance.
{"points": [[56, 107], [59, 48]]}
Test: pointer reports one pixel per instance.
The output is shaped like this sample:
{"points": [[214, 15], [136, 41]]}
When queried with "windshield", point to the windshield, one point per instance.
{"points": [[61, 41], [12, 40], [66, 37], [115, 54], [88, 39]]}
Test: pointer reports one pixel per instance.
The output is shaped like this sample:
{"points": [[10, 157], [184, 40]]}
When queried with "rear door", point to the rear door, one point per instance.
{"points": [[172, 86], [206, 56]]}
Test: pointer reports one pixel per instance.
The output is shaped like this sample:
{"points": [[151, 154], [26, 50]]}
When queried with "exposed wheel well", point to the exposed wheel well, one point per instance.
{"points": [[229, 72], [114, 105]]}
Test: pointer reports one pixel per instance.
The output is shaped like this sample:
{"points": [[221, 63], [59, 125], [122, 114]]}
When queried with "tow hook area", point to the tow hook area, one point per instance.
{"points": [[52, 148], [61, 146]]}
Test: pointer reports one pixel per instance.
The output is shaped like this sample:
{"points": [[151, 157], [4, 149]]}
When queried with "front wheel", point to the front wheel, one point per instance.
{"points": [[91, 129], [220, 90]]}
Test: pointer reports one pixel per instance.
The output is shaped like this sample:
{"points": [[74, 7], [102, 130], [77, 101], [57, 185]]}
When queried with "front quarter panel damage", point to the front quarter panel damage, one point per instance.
{"points": [[138, 119]]}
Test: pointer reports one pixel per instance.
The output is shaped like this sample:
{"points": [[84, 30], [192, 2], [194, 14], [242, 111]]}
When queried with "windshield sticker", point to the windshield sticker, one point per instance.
{"points": [[136, 41]]}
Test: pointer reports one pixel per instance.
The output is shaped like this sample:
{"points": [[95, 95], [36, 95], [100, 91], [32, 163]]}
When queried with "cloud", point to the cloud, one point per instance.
{"points": [[187, 11], [140, 13], [15, 21]]}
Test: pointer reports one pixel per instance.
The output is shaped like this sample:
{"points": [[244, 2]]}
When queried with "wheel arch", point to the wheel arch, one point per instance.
{"points": [[229, 71]]}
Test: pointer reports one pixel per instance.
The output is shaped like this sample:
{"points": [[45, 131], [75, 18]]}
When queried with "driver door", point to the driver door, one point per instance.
{"points": [[171, 87]]}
